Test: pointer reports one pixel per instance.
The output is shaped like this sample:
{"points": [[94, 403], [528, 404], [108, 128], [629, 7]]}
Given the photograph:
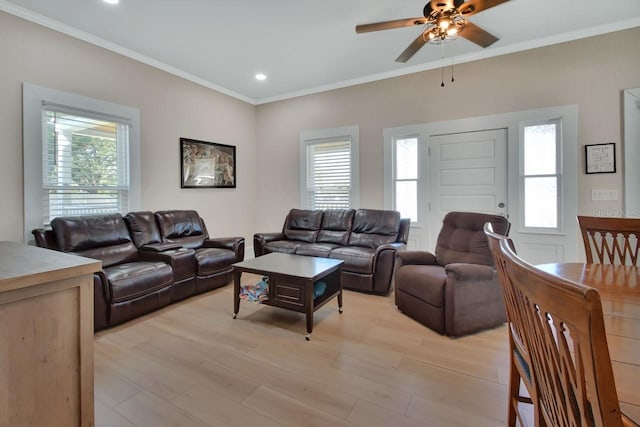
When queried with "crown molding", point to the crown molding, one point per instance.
{"points": [[474, 56], [461, 59], [89, 38]]}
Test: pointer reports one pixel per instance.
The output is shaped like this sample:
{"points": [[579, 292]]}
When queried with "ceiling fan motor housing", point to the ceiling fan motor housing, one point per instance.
{"points": [[441, 6]]}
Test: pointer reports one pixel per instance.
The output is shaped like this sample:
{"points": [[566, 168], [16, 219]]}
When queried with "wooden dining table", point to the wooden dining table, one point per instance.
{"points": [[619, 288]]}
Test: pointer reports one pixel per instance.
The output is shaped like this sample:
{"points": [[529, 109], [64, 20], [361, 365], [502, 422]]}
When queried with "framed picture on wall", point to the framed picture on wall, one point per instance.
{"points": [[207, 164], [600, 158]]}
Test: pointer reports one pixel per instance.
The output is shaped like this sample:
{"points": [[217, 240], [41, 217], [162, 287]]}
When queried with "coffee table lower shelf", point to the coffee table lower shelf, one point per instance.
{"points": [[291, 282]]}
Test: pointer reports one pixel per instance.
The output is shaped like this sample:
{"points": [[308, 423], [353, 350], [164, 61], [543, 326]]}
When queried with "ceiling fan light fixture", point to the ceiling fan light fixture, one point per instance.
{"points": [[443, 26], [442, 21]]}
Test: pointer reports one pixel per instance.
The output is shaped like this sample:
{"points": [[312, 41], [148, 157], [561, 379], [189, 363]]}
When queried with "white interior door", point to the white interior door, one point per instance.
{"points": [[468, 172]]}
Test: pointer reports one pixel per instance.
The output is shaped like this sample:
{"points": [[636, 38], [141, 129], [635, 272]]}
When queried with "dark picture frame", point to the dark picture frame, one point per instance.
{"points": [[207, 164], [600, 158]]}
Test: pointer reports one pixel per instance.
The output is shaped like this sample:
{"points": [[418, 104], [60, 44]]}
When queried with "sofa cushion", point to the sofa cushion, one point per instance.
{"points": [[356, 259], [181, 226], [111, 255], [282, 246], [135, 279], [316, 249], [336, 226], [213, 260], [143, 228], [373, 228], [103, 237], [425, 282], [303, 225], [93, 231], [462, 238]]}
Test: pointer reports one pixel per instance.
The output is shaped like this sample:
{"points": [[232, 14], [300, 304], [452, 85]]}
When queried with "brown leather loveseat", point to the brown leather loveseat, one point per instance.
{"points": [[142, 268], [366, 239]]}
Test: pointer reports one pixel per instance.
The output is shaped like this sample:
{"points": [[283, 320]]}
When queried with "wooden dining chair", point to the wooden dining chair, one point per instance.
{"points": [[563, 329], [610, 240], [519, 360]]}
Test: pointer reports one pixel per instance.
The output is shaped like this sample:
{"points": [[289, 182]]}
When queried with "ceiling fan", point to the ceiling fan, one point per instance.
{"points": [[443, 20]]}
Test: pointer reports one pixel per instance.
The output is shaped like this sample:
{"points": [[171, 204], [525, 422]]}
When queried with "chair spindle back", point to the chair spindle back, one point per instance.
{"points": [[563, 329], [610, 240]]}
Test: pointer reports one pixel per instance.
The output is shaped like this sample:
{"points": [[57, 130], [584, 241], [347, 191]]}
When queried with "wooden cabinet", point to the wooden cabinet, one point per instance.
{"points": [[46, 337]]}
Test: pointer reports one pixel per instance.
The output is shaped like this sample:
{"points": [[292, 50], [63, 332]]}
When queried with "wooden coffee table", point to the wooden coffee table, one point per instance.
{"points": [[291, 279]]}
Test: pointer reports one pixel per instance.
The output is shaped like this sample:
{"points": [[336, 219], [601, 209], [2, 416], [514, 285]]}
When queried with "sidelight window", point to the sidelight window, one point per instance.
{"points": [[541, 175], [405, 177]]}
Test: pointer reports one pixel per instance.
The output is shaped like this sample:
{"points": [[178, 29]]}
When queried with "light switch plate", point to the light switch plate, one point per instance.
{"points": [[604, 194]]}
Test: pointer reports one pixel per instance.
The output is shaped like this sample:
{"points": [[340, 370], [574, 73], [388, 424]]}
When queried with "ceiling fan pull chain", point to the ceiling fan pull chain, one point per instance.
{"points": [[452, 59], [442, 67]]}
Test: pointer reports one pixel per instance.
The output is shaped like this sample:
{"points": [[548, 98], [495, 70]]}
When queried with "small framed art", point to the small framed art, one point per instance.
{"points": [[600, 158], [207, 164]]}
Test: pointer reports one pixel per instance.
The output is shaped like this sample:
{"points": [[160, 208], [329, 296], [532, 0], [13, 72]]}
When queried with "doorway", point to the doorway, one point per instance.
{"points": [[467, 171]]}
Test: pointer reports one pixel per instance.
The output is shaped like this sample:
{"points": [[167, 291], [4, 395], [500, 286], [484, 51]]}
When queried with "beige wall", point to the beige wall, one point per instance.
{"points": [[170, 108], [590, 73]]}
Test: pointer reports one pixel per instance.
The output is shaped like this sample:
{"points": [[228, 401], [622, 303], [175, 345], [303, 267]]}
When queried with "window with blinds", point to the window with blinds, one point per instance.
{"points": [[329, 175], [85, 164]]}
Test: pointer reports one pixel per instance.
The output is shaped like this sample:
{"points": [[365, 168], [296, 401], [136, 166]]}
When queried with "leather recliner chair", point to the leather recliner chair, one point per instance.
{"points": [[455, 291]]}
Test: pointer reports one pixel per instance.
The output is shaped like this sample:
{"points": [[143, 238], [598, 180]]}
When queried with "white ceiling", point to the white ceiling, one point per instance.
{"points": [[305, 46]]}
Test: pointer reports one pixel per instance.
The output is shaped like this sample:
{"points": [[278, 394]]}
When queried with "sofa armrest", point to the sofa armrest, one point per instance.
{"points": [[223, 242], [403, 231], [101, 301], [415, 258], [45, 238], [384, 262], [235, 244], [398, 246], [260, 239]]}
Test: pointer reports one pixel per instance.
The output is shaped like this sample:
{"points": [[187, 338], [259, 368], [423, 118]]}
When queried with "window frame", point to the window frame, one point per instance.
{"points": [[35, 99], [558, 175], [394, 173], [311, 137]]}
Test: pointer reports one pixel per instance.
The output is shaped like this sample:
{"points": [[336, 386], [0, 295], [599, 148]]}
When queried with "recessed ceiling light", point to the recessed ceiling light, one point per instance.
{"points": [[261, 77], [112, 1]]}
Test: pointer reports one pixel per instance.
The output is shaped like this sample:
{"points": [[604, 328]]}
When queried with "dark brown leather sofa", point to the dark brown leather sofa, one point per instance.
{"points": [[142, 268], [366, 239]]}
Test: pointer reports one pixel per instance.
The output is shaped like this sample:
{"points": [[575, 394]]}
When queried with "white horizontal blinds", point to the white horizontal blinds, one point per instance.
{"points": [[329, 175], [86, 164]]}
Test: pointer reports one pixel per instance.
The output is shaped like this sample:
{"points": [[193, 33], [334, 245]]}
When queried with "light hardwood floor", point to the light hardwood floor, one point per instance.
{"points": [[191, 364]]}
